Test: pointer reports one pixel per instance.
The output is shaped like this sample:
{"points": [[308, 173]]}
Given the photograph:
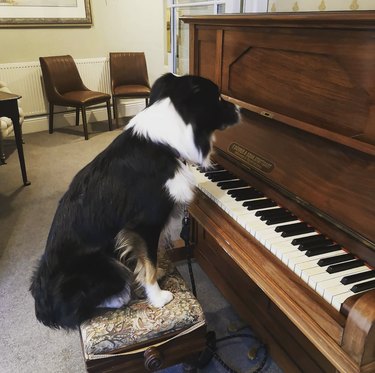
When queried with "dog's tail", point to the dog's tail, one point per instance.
{"points": [[65, 296]]}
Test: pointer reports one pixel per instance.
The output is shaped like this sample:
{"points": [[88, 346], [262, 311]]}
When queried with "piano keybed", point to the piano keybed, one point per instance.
{"points": [[328, 268]]}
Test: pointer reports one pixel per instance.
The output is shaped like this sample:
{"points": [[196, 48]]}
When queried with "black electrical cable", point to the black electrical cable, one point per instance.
{"points": [[185, 235], [211, 346]]}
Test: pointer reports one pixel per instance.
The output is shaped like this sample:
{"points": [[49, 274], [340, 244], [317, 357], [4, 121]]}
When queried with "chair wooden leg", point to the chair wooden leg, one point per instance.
{"points": [[109, 115], [77, 116], [50, 118], [115, 111], [84, 120]]}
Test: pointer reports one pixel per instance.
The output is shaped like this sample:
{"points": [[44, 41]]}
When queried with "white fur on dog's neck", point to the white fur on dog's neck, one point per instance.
{"points": [[161, 123]]}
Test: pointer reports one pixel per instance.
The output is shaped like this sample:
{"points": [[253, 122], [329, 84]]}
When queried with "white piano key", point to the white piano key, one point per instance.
{"points": [[339, 299], [334, 291], [326, 284], [314, 280], [298, 265], [331, 292], [273, 244]]}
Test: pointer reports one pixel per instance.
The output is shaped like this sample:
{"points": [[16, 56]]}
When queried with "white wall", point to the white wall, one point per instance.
{"points": [[118, 25]]}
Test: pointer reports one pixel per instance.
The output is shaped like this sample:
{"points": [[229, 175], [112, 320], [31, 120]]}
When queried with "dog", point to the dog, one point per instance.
{"points": [[105, 232]]}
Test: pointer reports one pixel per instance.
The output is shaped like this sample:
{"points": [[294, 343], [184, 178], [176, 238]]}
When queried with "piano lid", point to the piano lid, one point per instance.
{"points": [[308, 84]]}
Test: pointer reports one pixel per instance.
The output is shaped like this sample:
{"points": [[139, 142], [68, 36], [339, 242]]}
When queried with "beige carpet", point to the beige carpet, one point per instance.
{"points": [[25, 217]]}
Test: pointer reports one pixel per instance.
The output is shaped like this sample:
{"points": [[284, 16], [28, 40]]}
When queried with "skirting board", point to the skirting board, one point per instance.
{"points": [[67, 118]]}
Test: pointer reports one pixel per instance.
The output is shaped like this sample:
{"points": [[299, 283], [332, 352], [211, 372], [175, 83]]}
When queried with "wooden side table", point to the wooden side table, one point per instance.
{"points": [[9, 108]]}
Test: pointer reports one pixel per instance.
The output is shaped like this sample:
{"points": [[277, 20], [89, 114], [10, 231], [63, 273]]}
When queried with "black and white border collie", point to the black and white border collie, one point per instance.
{"points": [[105, 233]]}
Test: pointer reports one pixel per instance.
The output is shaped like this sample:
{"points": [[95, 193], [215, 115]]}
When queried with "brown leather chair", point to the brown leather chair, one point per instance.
{"points": [[64, 87], [129, 77]]}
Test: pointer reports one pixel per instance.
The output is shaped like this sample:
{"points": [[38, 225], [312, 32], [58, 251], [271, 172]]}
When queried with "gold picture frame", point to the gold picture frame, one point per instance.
{"points": [[45, 13]]}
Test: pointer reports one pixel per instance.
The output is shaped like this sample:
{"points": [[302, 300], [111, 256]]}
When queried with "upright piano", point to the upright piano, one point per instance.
{"points": [[284, 223]]}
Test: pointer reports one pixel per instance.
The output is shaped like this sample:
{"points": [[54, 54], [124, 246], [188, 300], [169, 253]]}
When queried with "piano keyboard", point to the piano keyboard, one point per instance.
{"points": [[325, 266]]}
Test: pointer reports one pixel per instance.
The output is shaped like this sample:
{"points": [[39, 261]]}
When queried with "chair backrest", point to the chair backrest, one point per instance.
{"points": [[128, 68], [60, 75]]}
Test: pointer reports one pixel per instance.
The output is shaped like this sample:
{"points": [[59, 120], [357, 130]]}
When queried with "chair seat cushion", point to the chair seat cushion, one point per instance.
{"points": [[84, 97], [139, 323], [132, 90]]}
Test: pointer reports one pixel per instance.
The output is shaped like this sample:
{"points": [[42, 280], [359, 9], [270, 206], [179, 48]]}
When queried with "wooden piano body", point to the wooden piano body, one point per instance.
{"points": [[306, 83]]}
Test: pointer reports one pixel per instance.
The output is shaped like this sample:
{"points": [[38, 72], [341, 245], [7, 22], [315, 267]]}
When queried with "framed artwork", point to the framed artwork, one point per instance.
{"points": [[45, 13]]}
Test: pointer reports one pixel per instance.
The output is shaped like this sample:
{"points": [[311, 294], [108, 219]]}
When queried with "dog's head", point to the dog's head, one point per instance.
{"points": [[198, 102]]}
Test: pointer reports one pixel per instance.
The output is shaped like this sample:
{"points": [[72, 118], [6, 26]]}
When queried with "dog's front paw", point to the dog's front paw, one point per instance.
{"points": [[162, 299]]}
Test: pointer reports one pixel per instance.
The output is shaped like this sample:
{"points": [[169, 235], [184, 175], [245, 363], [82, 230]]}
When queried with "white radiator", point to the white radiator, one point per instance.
{"points": [[25, 79]]}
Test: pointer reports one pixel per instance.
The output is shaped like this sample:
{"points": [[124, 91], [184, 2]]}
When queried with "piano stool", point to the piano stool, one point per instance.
{"points": [[141, 338]]}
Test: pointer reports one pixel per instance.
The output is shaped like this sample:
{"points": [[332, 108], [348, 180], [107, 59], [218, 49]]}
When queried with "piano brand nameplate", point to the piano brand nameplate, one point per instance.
{"points": [[249, 158]]}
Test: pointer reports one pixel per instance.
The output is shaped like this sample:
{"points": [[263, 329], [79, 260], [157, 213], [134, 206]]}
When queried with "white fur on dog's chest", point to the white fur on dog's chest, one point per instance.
{"points": [[181, 186]]}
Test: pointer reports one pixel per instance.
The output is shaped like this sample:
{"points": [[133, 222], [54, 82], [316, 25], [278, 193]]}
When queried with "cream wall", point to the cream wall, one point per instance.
{"points": [[118, 25]]}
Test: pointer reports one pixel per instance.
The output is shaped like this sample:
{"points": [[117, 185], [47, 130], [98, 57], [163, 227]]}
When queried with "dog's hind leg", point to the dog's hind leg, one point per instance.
{"points": [[142, 248], [156, 296]]}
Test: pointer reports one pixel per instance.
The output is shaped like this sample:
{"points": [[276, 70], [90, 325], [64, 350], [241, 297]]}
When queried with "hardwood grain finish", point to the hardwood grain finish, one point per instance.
{"points": [[306, 85], [186, 348]]}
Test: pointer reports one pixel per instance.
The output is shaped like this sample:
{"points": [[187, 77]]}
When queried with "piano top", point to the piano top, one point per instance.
{"points": [[306, 82]]}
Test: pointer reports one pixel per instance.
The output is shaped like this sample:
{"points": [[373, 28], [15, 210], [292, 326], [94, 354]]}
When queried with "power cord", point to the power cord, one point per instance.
{"points": [[211, 352]]}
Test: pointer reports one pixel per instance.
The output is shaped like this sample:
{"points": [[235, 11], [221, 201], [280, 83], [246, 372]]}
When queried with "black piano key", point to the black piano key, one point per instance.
{"points": [[290, 227], [243, 192], [265, 214], [314, 238], [213, 172], [280, 219], [225, 185], [248, 195], [335, 259], [344, 266], [221, 176], [312, 245], [234, 192], [259, 204], [297, 231], [276, 215], [358, 277], [322, 250], [363, 286]]}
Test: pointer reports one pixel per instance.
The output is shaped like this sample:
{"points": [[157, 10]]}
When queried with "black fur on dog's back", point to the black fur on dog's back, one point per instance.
{"points": [[125, 191], [117, 189]]}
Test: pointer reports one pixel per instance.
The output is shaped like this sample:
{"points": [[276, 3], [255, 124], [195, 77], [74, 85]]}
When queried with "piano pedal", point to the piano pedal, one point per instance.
{"points": [[234, 327]]}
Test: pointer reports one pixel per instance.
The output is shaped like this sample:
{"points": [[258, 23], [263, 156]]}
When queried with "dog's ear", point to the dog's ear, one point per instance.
{"points": [[162, 87]]}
